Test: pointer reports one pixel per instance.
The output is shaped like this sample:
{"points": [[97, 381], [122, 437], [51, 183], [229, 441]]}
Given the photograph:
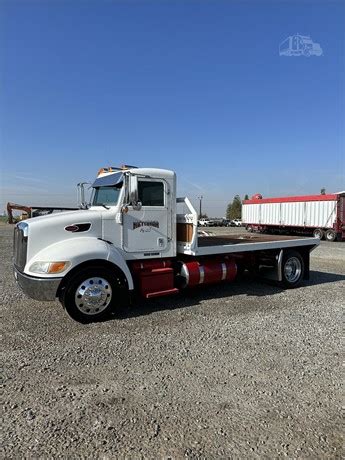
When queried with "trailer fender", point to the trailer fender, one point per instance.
{"points": [[79, 251]]}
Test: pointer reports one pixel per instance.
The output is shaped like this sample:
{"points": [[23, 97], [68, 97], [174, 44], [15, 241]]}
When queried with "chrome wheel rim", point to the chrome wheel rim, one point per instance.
{"points": [[292, 269], [329, 236], [93, 296]]}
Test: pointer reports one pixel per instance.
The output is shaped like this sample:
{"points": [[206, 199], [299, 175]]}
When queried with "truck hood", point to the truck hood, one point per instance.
{"points": [[60, 215], [44, 231]]}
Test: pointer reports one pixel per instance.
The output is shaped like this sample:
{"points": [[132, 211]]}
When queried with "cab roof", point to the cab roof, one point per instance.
{"points": [[112, 176]]}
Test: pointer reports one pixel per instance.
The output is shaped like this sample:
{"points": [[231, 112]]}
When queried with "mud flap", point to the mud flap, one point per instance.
{"points": [[273, 273]]}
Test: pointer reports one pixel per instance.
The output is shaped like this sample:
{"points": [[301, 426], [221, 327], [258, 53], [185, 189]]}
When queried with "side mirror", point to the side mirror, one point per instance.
{"points": [[137, 206], [133, 193], [82, 203]]}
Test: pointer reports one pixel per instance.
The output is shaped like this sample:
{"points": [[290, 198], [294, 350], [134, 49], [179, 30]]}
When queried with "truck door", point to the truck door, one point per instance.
{"points": [[148, 229]]}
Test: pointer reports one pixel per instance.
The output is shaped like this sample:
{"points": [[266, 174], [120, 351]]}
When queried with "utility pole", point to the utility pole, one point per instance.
{"points": [[200, 202]]}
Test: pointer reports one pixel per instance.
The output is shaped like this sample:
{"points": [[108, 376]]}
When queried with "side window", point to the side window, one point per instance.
{"points": [[151, 193]]}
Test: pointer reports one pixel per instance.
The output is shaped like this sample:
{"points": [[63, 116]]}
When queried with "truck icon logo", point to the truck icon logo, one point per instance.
{"points": [[299, 45]]}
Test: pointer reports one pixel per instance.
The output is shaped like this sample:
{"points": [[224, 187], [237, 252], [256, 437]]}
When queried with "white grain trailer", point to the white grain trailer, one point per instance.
{"points": [[320, 215]]}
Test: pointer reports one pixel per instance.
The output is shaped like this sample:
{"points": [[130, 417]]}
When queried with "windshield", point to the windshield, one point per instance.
{"points": [[107, 195]]}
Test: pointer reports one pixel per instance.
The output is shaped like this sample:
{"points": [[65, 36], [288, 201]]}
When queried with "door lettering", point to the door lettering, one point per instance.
{"points": [[145, 223]]}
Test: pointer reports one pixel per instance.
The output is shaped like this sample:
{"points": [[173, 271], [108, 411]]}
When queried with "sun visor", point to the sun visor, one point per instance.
{"points": [[109, 180]]}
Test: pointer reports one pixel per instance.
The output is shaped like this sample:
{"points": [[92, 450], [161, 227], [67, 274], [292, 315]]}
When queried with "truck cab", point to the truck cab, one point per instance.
{"points": [[138, 209], [132, 216]]}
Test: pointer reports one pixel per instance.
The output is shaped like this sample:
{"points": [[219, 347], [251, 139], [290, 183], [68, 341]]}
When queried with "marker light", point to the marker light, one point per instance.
{"points": [[49, 267]]}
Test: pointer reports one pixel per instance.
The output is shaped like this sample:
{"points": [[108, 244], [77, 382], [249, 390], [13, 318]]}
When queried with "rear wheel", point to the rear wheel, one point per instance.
{"points": [[318, 233], [292, 269], [92, 294], [330, 235]]}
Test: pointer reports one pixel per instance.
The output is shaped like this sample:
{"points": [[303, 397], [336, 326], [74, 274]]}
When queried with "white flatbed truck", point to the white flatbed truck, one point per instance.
{"points": [[134, 239]]}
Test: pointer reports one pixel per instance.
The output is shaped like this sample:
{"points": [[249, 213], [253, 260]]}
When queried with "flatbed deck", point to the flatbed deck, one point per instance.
{"points": [[220, 240], [227, 244]]}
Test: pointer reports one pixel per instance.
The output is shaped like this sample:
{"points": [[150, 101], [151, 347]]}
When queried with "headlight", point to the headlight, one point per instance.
{"points": [[49, 267]]}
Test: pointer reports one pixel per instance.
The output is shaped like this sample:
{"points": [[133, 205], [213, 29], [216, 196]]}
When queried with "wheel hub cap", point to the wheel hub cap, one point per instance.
{"points": [[292, 269], [93, 296]]}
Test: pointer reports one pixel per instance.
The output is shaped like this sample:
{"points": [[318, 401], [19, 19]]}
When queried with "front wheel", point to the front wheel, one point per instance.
{"points": [[91, 294], [292, 269]]}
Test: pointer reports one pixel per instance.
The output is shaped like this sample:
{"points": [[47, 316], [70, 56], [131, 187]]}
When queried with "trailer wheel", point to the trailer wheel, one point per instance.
{"points": [[292, 269], [318, 233], [330, 235], [91, 294]]}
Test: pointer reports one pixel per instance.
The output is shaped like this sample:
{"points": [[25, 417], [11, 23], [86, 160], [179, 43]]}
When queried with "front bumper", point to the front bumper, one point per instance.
{"points": [[37, 288]]}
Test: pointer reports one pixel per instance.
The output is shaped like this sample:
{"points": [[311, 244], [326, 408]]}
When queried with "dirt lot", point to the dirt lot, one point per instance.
{"points": [[243, 370]]}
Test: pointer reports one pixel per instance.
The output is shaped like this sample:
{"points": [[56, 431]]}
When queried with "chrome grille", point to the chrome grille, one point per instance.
{"points": [[20, 242]]}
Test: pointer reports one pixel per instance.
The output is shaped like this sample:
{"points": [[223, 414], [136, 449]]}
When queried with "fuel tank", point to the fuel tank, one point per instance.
{"points": [[206, 272]]}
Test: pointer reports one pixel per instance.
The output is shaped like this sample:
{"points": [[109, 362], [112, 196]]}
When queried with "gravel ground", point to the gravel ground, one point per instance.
{"points": [[244, 370]]}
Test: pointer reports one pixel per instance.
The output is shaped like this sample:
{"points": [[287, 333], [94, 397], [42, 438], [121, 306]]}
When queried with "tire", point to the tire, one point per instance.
{"points": [[92, 294], [249, 229], [292, 269], [330, 235], [318, 233]]}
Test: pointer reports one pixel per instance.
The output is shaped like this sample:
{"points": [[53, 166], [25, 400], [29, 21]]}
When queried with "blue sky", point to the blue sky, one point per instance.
{"points": [[197, 87]]}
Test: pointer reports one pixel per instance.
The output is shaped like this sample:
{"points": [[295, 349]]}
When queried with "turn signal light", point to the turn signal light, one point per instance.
{"points": [[57, 267]]}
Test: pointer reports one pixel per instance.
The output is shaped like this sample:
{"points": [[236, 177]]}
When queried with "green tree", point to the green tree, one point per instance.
{"points": [[246, 197], [228, 211], [234, 209], [323, 191]]}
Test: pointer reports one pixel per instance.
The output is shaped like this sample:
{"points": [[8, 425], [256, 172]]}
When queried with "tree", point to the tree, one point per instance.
{"points": [[246, 197], [234, 209], [228, 211], [323, 191]]}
